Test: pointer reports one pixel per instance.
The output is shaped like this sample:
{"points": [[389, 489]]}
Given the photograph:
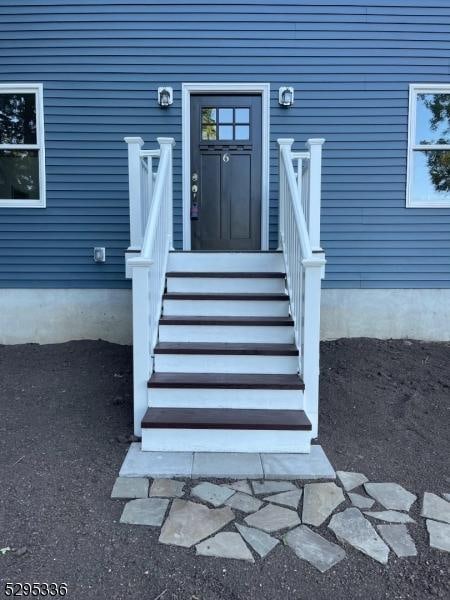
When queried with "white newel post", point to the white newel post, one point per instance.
{"points": [[314, 146], [134, 187], [169, 143], [142, 366], [282, 143], [311, 336]]}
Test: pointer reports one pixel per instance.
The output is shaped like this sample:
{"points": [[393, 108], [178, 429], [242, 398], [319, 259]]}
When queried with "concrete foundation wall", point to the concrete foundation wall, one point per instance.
{"points": [[50, 316], [58, 315], [421, 314]]}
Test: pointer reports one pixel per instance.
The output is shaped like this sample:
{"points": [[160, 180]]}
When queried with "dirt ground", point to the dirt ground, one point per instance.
{"points": [[65, 419]]}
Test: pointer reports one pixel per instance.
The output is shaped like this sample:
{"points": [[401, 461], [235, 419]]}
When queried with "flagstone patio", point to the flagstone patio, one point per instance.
{"points": [[237, 520]]}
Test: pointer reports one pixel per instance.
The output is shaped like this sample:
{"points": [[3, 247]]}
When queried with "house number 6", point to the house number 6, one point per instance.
{"points": [[226, 158]]}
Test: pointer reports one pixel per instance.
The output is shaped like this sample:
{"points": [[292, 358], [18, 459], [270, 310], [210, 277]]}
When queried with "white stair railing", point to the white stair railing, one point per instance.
{"points": [[299, 239], [151, 227]]}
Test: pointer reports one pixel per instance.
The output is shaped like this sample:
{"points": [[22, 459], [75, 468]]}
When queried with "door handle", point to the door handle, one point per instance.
{"points": [[194, 191]]}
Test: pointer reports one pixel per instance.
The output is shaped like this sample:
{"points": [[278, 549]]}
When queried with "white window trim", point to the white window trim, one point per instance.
{"points": [[414, 89], [187, 89], [37, 89]]}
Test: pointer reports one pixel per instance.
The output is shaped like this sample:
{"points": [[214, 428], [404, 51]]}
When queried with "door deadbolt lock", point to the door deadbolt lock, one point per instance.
{"points": [[194, 177]]}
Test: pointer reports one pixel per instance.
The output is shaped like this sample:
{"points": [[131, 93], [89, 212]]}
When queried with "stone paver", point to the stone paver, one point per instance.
{"points": [[244, 502], [315, 549], [390, 516], [167, 488], [156, 464], [188, 523], [439, 535], [229, 465], [360, 501], [399, 540], [225, 545], [261, 542], [130, 487], [350, 526], [240, 486], [212, 493], [148, 511], [272, 487], [435, 508], [273, 518], [314, 465], [289, 499], [391, 495], [351, 480], [319, 501]]}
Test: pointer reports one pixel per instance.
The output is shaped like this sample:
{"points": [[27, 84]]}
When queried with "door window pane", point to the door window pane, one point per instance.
{"points": [[17, 119], [225, 132], [209, 132], [431, 176], [225, 115], [242, 115], [208, 115], [19, 175], [241, 132], [433, 119]]}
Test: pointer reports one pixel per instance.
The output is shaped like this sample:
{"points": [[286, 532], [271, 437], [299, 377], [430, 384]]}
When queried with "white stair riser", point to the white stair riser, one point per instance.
{"points": [[225, 398], [225, 440], [224, 285], [229, 308], [257, 334], [226, 261], [216, 363]]}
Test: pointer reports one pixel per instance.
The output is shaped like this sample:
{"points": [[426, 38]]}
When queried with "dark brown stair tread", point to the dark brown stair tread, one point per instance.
{"points": [[225, 418], [203, 320], [228, 274], [226, 381], [221, 296], [223, 348]]}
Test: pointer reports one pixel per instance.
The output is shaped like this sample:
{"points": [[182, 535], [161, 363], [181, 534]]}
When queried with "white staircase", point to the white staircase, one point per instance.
{"points": [[226, 391], [225, 343]]}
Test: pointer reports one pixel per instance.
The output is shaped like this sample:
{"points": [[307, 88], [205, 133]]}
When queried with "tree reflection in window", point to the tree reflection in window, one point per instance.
{"points": [[17, 119], [438, 161]]}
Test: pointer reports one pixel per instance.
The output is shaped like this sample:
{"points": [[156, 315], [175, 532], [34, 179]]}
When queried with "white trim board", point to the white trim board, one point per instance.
{"points": [[37, 89], [224, 88]]}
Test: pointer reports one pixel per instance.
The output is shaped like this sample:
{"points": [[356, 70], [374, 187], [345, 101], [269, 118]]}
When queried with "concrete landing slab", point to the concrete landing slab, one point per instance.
{"points": [[226, 465], [314, 465], [156, 464]]}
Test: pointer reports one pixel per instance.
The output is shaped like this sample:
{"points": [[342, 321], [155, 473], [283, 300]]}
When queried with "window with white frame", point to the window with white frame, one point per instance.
{"points": [[22, 160], [428, 181]]}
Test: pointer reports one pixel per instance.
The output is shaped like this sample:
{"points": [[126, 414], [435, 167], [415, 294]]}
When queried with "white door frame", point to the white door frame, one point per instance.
{"points": [[224, 88]]}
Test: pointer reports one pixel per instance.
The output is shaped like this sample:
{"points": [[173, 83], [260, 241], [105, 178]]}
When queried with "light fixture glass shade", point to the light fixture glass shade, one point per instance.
{"points": [[165, 96], [286, 96]]}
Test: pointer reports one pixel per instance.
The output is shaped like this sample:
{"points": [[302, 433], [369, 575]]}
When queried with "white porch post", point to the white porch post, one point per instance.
{"points": [[142, 366], [169, 143], [314, 146], [311, 337], [134, 190], [282, 143]]}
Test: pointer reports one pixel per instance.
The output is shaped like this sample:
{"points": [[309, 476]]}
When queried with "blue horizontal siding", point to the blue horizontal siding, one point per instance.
{"points": [[350, 64]]}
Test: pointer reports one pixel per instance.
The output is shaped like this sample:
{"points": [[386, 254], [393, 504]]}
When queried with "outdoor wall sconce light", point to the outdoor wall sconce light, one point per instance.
{"points": [[286, 96], [165, 96]]}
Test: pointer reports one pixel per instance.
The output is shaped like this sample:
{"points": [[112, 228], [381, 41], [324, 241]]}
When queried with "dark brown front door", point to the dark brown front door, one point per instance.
{"points": [[226, 172]]}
